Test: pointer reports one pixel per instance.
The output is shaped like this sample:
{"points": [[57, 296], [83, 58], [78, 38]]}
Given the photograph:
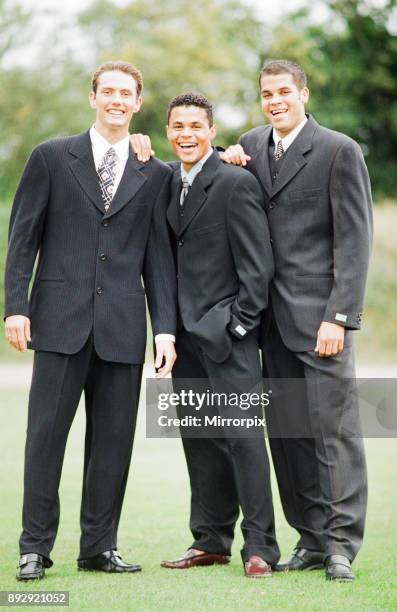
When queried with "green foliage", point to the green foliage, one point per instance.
{"points": [[351, 63], [215, 46], [207, 46], [45, 103]]}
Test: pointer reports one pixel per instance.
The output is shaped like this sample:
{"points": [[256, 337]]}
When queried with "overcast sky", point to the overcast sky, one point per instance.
{"points": [[61, 16], [264, 9]]}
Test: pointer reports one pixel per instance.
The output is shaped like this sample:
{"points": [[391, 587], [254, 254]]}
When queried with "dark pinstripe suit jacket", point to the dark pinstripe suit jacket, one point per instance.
{"points": [[90, 262], [223, 255], [320, 219]]}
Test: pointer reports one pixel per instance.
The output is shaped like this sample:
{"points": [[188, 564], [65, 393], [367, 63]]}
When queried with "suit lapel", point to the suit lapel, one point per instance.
{"points": [[295, 156], [196, 197], [131, 182], [173, 211], [261, 160], [82, 166]]}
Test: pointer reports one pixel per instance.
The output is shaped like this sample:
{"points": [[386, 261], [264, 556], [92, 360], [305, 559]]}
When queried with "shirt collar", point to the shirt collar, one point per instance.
{"points": [[193, 172], [100, 145], [288, 140]]}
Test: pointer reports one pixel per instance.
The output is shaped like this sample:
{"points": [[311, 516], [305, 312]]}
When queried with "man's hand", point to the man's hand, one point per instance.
{"points": [[165, 350], [141, 146], [235, 155], [17, 330], [330, 339]]}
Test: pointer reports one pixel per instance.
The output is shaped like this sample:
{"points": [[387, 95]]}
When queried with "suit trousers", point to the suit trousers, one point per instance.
{"points": [[227, 472], [317, 447], [111, 401]]}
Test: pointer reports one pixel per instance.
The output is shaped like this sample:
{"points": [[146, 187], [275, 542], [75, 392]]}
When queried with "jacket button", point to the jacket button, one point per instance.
{"points": [[271, 205], [99, 290], [102, 257], [105, 223], [181, 243], [271, 240]]}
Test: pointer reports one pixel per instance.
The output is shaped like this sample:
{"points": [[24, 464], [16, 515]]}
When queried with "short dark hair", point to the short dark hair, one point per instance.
{"points": [[284, 67], [191, 98], [119, 66]]}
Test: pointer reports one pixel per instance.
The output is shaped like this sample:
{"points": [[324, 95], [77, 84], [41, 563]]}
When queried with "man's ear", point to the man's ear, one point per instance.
{"points": [[305, 95], [212, 132], [92, 99], [138, 104]]}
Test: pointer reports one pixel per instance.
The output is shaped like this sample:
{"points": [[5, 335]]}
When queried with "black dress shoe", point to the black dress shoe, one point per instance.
{"points": [[302, 559], [31, 566], [337, 567], [108, 561]]}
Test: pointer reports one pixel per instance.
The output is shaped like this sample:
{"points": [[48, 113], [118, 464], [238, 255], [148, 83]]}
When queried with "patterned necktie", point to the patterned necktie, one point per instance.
{"points": [[107, 174], [184, 192], [279, 152]]}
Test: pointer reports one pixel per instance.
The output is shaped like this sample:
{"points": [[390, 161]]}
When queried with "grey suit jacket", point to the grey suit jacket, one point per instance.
{"points": [[90, 263], [320, 219], [223, 255]]}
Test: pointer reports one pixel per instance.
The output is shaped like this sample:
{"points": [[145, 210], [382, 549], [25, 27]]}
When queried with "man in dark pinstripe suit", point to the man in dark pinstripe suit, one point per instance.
{"points": [[96, 216]]}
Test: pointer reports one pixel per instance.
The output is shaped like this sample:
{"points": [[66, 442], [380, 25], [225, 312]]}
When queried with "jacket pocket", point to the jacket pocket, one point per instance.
{"points": [[208, 229], [316, 275], [136, 292], [304, 194]]}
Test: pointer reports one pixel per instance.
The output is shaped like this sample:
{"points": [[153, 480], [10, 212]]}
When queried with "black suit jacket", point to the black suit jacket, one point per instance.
{"points": [[90, 262], [320, 218], [223, 254]]}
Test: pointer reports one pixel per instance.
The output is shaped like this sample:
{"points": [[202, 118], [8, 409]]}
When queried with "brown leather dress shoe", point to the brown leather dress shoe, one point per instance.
{"points": [[256, 567], [194, 558], [108, 561]]}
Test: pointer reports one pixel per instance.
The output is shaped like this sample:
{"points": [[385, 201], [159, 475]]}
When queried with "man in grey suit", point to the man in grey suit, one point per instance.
{"points": [[318, 201], [97, 218]]}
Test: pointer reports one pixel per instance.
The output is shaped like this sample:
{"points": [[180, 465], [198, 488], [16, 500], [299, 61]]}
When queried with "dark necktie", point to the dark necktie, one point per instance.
{"points": [[107, 174], [279, 152]]}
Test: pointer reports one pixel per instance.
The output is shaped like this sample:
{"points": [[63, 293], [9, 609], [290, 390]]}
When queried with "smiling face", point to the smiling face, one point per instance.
{"points": [[283, 103], [115, 101], [190, 134]]}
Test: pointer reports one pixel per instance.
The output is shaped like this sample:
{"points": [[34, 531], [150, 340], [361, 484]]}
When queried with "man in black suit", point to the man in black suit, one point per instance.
{"points": [[96, 216], [318, 201], [224, 265]]}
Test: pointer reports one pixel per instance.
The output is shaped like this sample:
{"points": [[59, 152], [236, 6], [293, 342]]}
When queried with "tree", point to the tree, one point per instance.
{"points": [[210, 46], [351, 62]]}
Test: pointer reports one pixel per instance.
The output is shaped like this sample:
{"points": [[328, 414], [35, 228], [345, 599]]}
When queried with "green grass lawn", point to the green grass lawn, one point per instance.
{"points": [[154, 527]]}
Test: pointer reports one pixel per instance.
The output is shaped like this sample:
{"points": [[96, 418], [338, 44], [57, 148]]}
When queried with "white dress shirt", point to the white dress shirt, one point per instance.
{"points": [[288, 140], [100, 146]]}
